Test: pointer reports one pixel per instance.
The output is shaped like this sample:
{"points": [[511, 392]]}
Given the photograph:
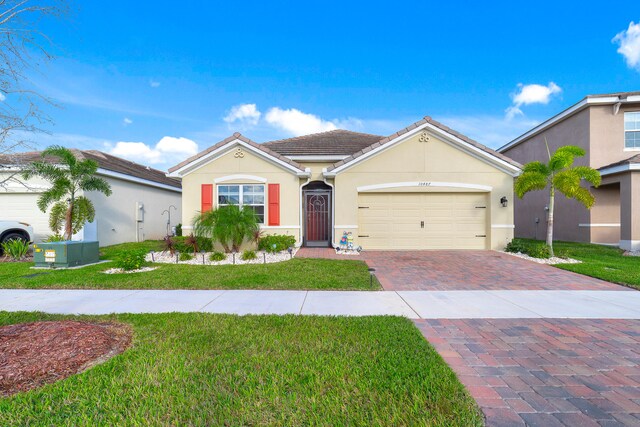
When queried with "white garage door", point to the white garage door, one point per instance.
{"points": [[22, 207], [422, 220]]}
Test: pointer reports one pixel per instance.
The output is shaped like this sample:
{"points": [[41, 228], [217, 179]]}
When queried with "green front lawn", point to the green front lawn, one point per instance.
{"points": [[298, 273], [204, 369], [602, 262]]}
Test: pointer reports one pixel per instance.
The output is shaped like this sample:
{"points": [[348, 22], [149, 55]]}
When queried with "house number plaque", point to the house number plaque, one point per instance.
{"points": [[424, 184]]}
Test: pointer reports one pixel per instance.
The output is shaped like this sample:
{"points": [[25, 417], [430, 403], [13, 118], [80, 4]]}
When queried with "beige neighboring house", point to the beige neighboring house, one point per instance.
{"points": [[608, 128], [133, 212], [424, 187]]}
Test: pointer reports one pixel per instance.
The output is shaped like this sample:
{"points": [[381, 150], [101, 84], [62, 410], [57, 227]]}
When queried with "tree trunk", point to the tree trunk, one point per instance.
{"points": [[68, 226], [552, 193]]}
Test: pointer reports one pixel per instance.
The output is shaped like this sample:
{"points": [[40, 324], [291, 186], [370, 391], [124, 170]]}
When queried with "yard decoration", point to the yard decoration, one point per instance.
{"points": [[229, 225], [68, 178], [343, 240], [558, 174]]}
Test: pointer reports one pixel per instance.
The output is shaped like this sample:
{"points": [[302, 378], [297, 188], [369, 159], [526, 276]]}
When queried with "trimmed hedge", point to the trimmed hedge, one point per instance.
{"points": [[282, 242], [533, 249]]}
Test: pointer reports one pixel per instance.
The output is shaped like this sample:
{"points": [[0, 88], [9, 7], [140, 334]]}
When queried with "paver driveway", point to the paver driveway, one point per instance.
{"points": [[464, 270]]}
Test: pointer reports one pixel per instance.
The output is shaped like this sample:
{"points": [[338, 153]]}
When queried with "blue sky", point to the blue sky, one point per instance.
{"points": [[156, 83]]}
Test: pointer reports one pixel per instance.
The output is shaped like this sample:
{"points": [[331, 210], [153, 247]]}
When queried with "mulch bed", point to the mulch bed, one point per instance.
{"points": [[4, 258], [39, 353]]}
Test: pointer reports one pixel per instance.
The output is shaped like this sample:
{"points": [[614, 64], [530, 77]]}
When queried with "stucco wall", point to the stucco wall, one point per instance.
{"points": [[568, 213], [629, 223], [250, 164], [605, 215], [607, 135], [433, 161], [116, 214]]}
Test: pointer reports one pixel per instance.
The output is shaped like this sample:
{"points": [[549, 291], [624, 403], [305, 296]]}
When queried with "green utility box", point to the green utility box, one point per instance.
{"points": [[65, 254]]}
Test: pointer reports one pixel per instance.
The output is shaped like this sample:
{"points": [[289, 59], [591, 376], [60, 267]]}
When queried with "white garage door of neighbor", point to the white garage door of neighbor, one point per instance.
{"points": [[23, 207], [422, 220]]}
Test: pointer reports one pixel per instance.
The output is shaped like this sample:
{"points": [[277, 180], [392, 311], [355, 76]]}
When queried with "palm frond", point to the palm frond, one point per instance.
{"points": [[51, 195], [592, 176], [585, 197], [530, 181], [567, 182], [44, 170], [84, 168], [94, 183], [564, 157], [537, 167], [64, 154]]}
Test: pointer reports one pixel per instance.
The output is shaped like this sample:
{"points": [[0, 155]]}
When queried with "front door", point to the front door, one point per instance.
{"points": [[317, 206]]}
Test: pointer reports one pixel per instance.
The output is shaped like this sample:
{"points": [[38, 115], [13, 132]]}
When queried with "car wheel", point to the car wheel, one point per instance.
{"points": [[14, 236]]}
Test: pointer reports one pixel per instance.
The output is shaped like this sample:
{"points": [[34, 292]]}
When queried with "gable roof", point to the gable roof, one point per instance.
{"points": [[106, 162], [632, 163], [425, 122], [336, 142], [260, 148], [617, 98]]}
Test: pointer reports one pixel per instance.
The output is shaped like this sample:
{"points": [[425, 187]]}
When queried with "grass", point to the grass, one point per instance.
{"points": [[204, 369], [602, 262], [298, 273]]}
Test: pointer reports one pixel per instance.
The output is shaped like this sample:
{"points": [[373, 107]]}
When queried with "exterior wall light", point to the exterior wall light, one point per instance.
{"points": [[504, 202]]}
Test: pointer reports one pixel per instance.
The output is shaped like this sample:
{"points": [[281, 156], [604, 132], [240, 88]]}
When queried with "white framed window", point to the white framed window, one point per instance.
{"points": [[251, 195], [632, 130]]}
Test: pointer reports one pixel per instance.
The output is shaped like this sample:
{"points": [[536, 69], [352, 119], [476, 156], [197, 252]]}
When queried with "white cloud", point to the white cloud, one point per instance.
{"points": [[531, 94], [2, 97], [127, 121], [168, 150], [246, 114], [296, 122], [629, 42], [154, 83]]}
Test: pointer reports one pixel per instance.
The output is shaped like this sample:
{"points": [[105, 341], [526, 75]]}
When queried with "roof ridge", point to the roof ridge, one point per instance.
{"points": [[299, 137]]}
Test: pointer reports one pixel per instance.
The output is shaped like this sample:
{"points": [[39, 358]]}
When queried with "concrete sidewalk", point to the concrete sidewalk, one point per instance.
{"points": [[484, 304]]}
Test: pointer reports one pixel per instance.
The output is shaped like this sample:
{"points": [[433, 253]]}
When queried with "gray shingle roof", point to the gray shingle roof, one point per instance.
{"points": [[334, 142], [104, 160], [631, 160]]}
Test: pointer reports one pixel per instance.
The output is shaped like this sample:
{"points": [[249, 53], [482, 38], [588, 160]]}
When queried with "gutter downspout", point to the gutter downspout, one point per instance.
{"points": [[300, 207]]}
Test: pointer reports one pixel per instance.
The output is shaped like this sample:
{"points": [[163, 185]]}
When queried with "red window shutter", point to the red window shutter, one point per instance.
{"points": [[274, 204], [206, 199]]}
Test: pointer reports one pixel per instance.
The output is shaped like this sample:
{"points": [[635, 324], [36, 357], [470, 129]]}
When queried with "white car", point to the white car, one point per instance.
{"points": [[15, 230]]}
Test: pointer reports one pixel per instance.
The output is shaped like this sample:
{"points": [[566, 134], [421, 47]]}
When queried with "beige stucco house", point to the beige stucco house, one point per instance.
{"points": [[424, 187], [135, 211], [608, 128]]}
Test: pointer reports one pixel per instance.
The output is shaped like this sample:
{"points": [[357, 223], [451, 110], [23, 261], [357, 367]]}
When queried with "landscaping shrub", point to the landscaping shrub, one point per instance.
{"points": [[230, 225], [169, 244], [533, 249], [185, 257], [186, 244], [217, 256], [282, 242], [248, 255], [179, 230], [131, 259], [16, 249], [54, 238]]}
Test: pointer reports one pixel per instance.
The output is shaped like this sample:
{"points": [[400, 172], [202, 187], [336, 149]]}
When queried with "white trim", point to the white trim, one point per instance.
{"points": [[631, 149], [503, 226], [425, 184], [239, 176], [599, 225], [319, 158], [620, 168], [345, 226], [585, 102], [468, 148], [137, 180], [630, 245], [220, 151], [280, 226]]}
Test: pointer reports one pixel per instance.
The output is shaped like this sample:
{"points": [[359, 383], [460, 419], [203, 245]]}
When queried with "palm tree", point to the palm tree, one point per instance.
{"points": [[68, 179], [230, 225], [558, 174]]}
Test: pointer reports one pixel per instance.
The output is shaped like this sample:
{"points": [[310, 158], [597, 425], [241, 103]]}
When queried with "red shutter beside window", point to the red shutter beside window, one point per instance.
{"points": [[206, 198], [274, 204]]}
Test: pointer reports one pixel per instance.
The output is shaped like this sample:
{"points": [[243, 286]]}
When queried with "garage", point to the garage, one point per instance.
{"points": [[422, 220], [23, 207]]}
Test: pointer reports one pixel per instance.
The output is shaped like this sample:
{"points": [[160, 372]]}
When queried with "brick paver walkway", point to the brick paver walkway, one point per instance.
{"points": [[545, 372], [464, 270]]}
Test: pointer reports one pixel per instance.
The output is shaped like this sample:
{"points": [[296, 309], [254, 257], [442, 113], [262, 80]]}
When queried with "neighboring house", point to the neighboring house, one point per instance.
{"points": [[424, 187], [608, 128], [134, 212]]}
